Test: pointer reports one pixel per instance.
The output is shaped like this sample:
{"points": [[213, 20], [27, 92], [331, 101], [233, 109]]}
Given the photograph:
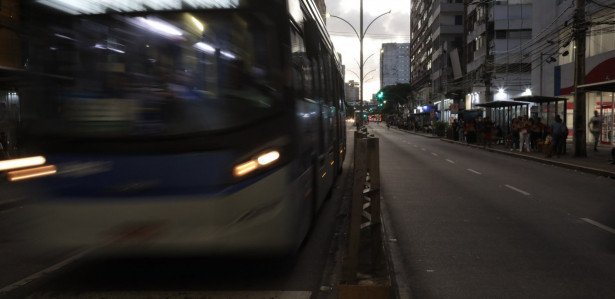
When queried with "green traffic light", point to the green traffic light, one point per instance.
{"points": [[380, 95]]}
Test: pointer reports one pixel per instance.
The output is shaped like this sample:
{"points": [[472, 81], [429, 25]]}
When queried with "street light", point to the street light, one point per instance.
{"points": [[360, 35]]}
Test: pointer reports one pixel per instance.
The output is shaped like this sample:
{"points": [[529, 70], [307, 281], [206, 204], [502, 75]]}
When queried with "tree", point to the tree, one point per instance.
{"points": [[393, 96]]}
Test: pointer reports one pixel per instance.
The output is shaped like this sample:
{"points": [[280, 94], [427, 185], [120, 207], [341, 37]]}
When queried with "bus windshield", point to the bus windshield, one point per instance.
{"points": [[150, 74]]}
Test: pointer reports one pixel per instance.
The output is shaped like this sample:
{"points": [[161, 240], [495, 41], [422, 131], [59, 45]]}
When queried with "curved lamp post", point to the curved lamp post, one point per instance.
{"points": [[360, 35]]}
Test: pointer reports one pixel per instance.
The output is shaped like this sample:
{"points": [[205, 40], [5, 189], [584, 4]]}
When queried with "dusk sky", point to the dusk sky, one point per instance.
{"points": [[393, 27]]}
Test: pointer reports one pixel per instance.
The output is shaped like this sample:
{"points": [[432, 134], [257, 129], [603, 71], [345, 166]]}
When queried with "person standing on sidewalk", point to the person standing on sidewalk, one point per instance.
{"points": [[4, 146], [559, 133], [524, 134], [595, 126]]}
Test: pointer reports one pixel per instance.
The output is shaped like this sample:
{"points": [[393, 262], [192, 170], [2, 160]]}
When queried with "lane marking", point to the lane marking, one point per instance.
{"points": [[416, 146], [517, 189], [450, 161], [434, 154], [600, 225], [474, 171], [423, 149]]}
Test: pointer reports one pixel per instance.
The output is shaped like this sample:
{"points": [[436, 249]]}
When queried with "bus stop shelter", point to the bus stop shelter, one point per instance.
{"points": [[420, 120], [502, 113], [548, 107]]}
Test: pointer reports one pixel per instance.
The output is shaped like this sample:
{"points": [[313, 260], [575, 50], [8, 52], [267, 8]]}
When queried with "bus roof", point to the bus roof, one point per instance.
{"points": [[90, 7]]}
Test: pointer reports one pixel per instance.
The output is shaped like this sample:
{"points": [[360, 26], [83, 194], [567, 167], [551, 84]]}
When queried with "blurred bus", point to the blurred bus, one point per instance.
{"points": [[214, 127]]}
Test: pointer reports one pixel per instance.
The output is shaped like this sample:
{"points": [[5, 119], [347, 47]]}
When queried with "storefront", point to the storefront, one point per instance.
{"points": [[600, 97]]}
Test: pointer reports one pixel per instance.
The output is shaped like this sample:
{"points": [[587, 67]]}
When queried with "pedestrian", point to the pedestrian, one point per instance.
{"points": [[461, 129], [535, 133], [595, 127], [470, 131], [524, 134], [454, 127], [4, 147], [559, 132], [516, 123], [487, 132]]}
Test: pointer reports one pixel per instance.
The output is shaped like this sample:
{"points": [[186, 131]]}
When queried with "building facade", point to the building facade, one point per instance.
{"points": [[436, 28], [498, 56], [351, 90], [553, 66], [322, 7], [394, 64]]}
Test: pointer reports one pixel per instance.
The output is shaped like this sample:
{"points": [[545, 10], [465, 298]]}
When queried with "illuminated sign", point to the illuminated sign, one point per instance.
{"points": [[79, 7]]}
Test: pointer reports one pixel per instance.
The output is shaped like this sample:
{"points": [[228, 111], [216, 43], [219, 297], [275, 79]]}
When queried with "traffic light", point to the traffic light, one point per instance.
{"points": [[380, 96]]}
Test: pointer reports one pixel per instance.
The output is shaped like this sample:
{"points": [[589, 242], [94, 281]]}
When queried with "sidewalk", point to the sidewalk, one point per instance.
{"points": [[595, 162]]}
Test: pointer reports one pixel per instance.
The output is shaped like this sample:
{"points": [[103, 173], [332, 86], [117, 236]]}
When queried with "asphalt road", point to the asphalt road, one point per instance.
{"points": [[34, 272], [467, 223]]}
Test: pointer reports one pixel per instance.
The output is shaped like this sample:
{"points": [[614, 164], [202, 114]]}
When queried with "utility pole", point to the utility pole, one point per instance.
{"points": [[580, 111]]}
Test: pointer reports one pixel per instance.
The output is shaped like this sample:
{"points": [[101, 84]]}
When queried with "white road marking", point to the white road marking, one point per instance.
{"points": [[423, 149], [434, 154], [600, 225], [183, 294], [450, 161], [474, 171], [517, 189], [416, 146]]}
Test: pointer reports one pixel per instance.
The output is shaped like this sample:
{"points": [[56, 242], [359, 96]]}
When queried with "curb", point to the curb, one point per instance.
{"points": [[586, 169], [419, 134]]}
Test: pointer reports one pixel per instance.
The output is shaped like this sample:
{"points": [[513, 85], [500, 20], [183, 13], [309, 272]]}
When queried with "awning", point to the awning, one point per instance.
{"points": [[538, 99], [600, 86], [500, 104]]}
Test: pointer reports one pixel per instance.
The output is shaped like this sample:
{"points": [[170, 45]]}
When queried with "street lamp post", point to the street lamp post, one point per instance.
{"points": [[360, 35]]}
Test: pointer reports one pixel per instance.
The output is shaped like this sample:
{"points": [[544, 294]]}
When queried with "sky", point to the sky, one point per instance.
{"points": [[393, 27]]}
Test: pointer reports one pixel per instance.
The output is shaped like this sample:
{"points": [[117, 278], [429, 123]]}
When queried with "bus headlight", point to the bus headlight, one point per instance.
{"points": [[22, 163], [30, 173], [261, 161]]}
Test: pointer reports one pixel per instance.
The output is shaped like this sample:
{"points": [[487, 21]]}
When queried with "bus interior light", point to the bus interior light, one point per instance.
{"points": [[29, 173], [21, 163], [159, 27]]}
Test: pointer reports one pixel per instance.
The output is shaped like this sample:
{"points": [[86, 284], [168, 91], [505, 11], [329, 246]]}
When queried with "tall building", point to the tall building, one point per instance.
{"points": [[322, 7], [553, 55], [498, 60], [436, 28], [351, 89], [394, 64]]}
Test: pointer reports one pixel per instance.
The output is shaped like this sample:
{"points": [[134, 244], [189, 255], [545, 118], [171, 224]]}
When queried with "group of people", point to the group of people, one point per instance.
{"points": [[525, 134], [530, 135], [480, 131]]}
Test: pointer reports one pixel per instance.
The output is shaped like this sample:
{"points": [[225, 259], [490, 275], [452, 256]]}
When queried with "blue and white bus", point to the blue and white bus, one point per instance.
{"points": [[213, 126]]}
